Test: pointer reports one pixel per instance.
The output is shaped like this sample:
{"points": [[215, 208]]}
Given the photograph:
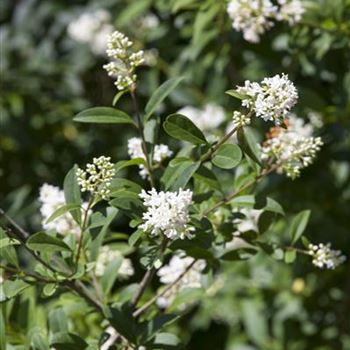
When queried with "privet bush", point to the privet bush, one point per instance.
{"points": [[195, 209]]}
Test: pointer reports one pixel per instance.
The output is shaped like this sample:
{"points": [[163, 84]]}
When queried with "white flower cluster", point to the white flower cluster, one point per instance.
{"points": [[106, 256], [52, 198], [160, 153], [272, 99], [293, 148], [92, 28], [239, 120], [207, 118], [124, 61], [168, 274], [97, 177], [254, 17], [325, 257], [167, 213]]}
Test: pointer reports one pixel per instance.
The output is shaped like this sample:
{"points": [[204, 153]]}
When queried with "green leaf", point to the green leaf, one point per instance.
{"points": [[9, 254], [254, 321], [13, 288], [159, 322], [251, 201], [178, 176], [2, 330], [166, 341], [298, 225], [58, 321], [206, 176], [235, 94], [43, 242], [117, 96], [67, 341], [38, 342], [238, 254], [62, 210], [72, 192], [50, 289], [135, 237], [126, 163], [227, 156], [111, 274], [249, 144], [160, 94], [202, 20], [103, 115], [4, 242], [181, 128], [290, 256], [121, 318], [129, 202]]}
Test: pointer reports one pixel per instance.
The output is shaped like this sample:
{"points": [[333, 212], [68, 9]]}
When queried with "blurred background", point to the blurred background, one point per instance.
{"points": [[52, 53]]}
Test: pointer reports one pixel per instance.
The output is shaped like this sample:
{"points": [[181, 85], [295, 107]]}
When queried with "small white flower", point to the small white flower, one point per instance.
{"points": [[124, 61], [107, 255], [160, 153], [97, 177], [208, 118], [272, 99], [92, 28], [293, 148], [325, 257], [168, 274], [52, 198], [167, 213]]}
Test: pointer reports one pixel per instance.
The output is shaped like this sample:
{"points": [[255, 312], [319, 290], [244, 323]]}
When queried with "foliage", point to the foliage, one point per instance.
{"points": [[258, 288]]}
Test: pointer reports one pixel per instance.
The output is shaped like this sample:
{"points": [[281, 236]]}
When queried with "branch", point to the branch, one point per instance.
{"points": [[237, 192], [143, 285], [144, 145], [86, 214], [20, 230], [212, 150], [144, 307], [75, 285], [147, 278], [27, 274]]}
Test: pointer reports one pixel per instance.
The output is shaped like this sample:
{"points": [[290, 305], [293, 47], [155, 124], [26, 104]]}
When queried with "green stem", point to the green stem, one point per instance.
{"points": [[149, 303], [213, 149], [240, 190], [83, 228], [143, 139]]}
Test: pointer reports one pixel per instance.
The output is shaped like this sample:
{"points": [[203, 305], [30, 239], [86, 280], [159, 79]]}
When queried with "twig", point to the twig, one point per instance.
{"points": [[144, 144], [212, 150], [86, 214], [75, 285], [147, 278], [143, 285], [28, 274], [145, 306], [237, 192], [23, 233]]}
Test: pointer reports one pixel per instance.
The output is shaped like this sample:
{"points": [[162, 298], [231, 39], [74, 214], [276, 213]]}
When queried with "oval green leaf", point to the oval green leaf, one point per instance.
{"points": [[160, 94], [103, 115], [181, 128], [43, 242], [227, 156]]}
